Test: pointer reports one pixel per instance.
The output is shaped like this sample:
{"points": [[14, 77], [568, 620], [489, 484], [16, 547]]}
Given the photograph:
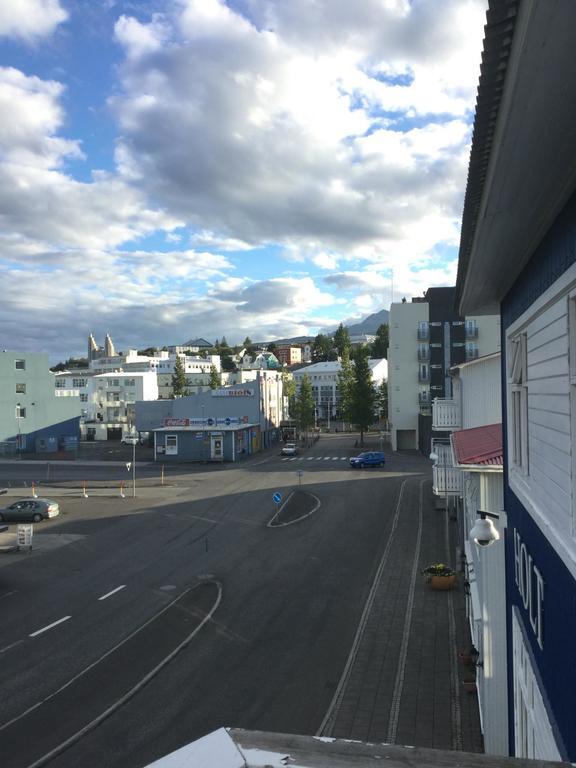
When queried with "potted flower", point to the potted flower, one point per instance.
{"points": [[439, 576]]}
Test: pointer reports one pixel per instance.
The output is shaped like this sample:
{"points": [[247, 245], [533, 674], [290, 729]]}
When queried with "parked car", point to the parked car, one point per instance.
{"points": [[290, 449], [368, 459], [29, 511]]}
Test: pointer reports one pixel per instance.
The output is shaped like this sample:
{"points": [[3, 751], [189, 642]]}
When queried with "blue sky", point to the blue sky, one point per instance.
{"points": [[181, 168]]}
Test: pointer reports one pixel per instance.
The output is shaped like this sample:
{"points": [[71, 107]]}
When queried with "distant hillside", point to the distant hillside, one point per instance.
{"points": [[369, 325]]}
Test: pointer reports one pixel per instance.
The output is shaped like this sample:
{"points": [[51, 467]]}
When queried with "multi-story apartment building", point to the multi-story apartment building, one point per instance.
{"points": [[324, 380], [289, 355], [427, 338], [32, 416]]}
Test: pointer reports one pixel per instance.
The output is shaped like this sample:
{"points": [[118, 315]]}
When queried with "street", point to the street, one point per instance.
{"points": [[154, 623]]}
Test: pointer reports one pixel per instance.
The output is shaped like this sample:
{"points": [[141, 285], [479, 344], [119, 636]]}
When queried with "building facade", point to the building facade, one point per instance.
{"points": [[427, 338], [289, 355], [324, 380], [32, 416], [518, 254]]}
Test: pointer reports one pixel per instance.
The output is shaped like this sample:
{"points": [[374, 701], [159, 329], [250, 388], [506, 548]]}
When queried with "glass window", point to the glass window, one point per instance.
{"points": [[20, 389], [20, 412], [20, 365]]}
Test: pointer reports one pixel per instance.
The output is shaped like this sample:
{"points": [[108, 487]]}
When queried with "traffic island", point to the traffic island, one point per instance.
{"points": [[298, 505]]}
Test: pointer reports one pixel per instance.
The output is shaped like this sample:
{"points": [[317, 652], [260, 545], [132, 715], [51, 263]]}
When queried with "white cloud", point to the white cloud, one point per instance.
{"points": [[30, 20]]}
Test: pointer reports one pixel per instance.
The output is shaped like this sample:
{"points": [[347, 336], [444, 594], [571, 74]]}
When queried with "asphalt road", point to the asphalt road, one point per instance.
{"points": [[179, 617]]}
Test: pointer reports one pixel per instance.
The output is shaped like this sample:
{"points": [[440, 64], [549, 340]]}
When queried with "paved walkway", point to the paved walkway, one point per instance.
{"points": [[404, 684]]}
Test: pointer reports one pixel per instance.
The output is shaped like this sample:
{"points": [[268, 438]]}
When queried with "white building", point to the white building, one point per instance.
{"points": [[468, 471], [324, 380], [428, 337], [111, 401]]}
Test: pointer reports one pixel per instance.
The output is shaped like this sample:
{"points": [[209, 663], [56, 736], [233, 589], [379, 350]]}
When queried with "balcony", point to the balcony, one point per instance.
{"points": [[423, 334], [471, 353], [424, 398], [446, 480], [472, 331], [446, 414], [423, 355], [424, 376]]}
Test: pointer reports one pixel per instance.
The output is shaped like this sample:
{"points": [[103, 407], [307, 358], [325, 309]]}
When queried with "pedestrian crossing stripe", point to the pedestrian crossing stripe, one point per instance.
{"points": [[316, 458]]}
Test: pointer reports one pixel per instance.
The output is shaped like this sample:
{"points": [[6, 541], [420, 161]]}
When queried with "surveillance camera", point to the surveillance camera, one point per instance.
{"points": [[484, 533]]}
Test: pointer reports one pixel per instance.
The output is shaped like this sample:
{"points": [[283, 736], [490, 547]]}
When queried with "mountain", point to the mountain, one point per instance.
{"points": [[369, 325]]}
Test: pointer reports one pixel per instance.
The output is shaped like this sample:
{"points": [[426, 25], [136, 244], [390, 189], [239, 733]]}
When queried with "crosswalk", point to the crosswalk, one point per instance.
{"points": [[316, 458]]}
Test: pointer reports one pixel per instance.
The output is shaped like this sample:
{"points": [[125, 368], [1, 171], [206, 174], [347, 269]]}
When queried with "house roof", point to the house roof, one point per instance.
{"points": [[197, 343], [480, 445]]}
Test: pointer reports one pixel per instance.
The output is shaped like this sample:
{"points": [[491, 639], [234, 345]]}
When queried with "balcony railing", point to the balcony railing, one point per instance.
{"points": [[446, 414], [424, 398], [446, 480], [471, 331], [423, 334], [424, 377], [471, 353], [423, 355]]}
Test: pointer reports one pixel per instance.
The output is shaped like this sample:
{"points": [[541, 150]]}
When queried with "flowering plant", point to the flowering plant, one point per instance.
{"points": [[438, 569]]}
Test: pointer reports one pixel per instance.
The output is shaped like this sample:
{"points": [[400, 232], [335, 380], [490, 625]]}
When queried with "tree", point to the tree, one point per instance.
{"points": [[381, 342], [305, 405], [72, 362], [179, 378], [224, 343], [272, 347], [321, 348], [214, 378], [289, 391], [148, 352], [341, 339], [346, 386], [382, 400], [226, 362], [363, 395]]}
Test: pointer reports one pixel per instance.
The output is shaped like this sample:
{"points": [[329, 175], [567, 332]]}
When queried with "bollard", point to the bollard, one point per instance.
{"points": [[162, 475], [84, 489], [122, 490], [34, 494]]}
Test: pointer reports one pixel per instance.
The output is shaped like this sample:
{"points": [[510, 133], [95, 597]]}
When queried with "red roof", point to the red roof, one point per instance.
{"points": [[480, 445]]}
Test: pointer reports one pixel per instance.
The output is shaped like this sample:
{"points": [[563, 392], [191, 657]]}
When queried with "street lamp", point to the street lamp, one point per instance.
{"points": [[132, 464], [18, 417]]}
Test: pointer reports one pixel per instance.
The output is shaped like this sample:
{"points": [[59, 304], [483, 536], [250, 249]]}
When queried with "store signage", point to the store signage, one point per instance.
{"points": [[232, 393], [530, 586], [170, 421]]}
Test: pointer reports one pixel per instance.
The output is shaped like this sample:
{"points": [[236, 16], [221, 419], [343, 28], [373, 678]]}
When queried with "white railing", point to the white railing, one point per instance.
{"points": [[446, 414], [446, 480]]}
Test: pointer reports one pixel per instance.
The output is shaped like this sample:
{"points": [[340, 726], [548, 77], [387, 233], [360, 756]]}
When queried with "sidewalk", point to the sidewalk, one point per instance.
{"points": [[404, 683]]}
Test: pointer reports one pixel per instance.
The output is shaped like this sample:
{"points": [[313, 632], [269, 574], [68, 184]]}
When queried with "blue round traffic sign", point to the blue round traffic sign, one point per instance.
{"points": [[277, 497]]}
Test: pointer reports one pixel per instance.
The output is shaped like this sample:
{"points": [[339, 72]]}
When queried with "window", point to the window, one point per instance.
{"points": [[77, 383], [518, 382], [20, 365], [83, 398], [129, 382], [20, 389], [20, 412], [60, 383]]}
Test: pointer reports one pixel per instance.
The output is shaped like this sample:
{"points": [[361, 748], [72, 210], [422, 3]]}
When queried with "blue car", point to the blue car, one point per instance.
{"points": [[368, 459]]}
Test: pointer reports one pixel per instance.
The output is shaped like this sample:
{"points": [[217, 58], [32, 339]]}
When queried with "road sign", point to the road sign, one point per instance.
{"points": [[24, 535], [277, 498]]}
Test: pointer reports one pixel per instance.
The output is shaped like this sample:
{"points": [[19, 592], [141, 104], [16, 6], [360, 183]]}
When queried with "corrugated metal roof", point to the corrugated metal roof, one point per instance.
{"points": [[479, 445]]}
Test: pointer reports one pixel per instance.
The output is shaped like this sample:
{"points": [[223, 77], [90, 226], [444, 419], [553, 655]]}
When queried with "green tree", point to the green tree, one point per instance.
{"points": [[148, 352], [226, 362], [382, 400], [346, 386], [305, 405], [321, 348], [363, 395], [72, 362], [272, 347], [289, 391], [214, 378], [179, 378], [224, 343], [341, 339], [381, 342]]}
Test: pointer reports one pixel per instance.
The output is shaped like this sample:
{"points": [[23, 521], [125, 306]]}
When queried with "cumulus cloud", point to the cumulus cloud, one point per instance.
{"points": [[30, 20], [281, 124]]}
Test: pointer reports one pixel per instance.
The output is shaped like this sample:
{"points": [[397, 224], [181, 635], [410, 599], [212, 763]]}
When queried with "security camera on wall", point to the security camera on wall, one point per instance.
{"points": [[484, 532]]}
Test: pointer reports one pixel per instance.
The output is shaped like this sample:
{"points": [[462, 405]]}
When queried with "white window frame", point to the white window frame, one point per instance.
{"points": [[20, 365], [518, 402]]}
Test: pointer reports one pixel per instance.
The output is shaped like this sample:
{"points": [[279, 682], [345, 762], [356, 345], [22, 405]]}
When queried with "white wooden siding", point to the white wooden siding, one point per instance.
{"points": [[481, 393], [548, 484]]}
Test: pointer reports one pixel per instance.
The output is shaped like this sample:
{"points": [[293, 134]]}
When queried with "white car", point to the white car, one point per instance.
{"points": [[290, 449]]}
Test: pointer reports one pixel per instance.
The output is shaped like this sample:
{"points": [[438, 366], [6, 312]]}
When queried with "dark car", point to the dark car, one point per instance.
{"points": [[368, 459], [29, 511]]}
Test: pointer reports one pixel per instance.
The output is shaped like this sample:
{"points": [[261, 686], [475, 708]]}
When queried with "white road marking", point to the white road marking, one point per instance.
{"points": [[7, 594], [326, 458], [343, 458], [12, 645], [113, 592], [335, 458], [54, 624], [319, 458], [310, 458]]}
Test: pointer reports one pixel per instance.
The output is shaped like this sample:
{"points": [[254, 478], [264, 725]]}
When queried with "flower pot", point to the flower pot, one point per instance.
{"points": [[442, 582]]}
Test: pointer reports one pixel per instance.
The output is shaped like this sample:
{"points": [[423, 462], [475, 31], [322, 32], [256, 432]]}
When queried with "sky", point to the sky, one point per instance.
{"points": [[179, 168]]}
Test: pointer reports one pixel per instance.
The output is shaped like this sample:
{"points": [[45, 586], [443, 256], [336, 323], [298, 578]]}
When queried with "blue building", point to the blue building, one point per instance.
{"points": [[32, 416], [518, 257]]}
